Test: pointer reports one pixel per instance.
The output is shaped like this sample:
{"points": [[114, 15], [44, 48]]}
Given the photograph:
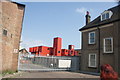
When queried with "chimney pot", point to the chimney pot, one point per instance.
{"points": [[87, 12]]}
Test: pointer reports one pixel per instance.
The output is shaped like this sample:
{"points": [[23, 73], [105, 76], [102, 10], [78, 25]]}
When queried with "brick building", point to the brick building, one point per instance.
{"points": [[101, 41], [10, 32], [56, 50]]}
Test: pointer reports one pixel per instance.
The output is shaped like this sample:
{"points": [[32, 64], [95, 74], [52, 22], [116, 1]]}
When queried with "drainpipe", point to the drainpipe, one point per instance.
{"points": [[98, 49]]}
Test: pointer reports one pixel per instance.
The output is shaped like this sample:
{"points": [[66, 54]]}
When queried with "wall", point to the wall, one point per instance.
{"points": [[64, 52], [107, 58], [117, 47], [57, 45], [12, 17], [45, 51], [106, 31], [51, 51], [0, 37], [55, 50], [86, 50], [118, 56]]}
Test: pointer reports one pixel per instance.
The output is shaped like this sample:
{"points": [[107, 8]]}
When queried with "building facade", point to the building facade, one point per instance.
{"points": [[101, 41], [57, 45], [78, 52], [56, 50], [10, 32]]}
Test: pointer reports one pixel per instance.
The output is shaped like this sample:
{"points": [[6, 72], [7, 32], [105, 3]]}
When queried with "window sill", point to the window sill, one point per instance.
{"points": [[91, 43], [105, 19], [107, 52], [110, 52], [92, 67]]}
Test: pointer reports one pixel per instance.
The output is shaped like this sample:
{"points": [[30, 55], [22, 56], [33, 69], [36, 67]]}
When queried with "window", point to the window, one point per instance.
{"points": [[108, 45], [11, 35], [92, 38], [5, 32], [103, 16], [92, 60], [15, 51], [58, 51], [66, 50], [106, 15]]}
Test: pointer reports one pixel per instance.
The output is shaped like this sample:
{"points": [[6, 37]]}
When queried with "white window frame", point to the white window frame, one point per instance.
{"points": [[89, 38], [105, 12], [105, 47], [89, 64]]}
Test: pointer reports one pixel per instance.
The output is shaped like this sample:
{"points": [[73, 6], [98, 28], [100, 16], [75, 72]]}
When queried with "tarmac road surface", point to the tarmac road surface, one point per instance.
{"points": [[59, 74]]}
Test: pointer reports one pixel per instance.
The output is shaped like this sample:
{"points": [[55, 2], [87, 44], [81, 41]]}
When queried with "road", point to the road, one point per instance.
{"points": [[59, 74], [34, 71]]}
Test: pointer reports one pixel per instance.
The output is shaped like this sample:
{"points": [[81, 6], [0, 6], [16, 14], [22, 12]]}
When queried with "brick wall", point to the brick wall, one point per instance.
{"points": [[12, 16], [0, 37], [105, 58], [88, 49]]}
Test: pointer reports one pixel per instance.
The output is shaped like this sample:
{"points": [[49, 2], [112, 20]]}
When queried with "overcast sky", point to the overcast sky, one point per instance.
{"points": [[45, 20]]}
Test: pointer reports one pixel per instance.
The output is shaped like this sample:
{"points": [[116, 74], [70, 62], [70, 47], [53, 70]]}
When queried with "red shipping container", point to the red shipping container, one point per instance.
{"points": [[32, 49], [29, 49], [37, 49]]}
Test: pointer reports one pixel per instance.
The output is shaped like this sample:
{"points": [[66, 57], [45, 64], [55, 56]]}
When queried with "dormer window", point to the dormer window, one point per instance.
{"points": [[106, 15]]}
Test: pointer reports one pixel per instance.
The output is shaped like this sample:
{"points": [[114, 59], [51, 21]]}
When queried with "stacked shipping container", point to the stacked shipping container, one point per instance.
{"points": [[55, 50]]}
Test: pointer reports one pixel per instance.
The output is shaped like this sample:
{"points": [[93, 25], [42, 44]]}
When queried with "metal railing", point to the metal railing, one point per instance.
{"points": [[48, 63]]}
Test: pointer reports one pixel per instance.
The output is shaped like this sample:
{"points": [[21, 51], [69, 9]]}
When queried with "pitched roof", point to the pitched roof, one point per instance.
{"points": [[97, 22], [22, 50]]}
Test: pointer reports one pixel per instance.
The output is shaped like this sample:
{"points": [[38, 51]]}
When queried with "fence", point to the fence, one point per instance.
{"points": [[49, 63]]}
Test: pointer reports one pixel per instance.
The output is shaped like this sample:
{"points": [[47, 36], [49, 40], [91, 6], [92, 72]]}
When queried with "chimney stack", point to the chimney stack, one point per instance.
{"points": [[87, 18]]}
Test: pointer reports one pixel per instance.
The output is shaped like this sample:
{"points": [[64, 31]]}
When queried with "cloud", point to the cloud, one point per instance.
{"points": [[83, 10], [30, 43]]}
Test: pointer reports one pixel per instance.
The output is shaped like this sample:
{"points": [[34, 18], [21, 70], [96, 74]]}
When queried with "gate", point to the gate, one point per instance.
{"points": [[48, 63]]}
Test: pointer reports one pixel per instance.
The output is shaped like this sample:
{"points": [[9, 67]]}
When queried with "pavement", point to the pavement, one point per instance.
{"points": [[59, 74]]}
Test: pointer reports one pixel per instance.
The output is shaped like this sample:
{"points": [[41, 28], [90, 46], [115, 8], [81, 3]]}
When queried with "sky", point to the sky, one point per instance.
{"points": [[44, 21]]}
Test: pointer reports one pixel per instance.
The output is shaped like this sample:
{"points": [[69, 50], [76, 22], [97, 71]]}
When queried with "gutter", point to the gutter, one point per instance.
{"points": [[99, 24]]}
